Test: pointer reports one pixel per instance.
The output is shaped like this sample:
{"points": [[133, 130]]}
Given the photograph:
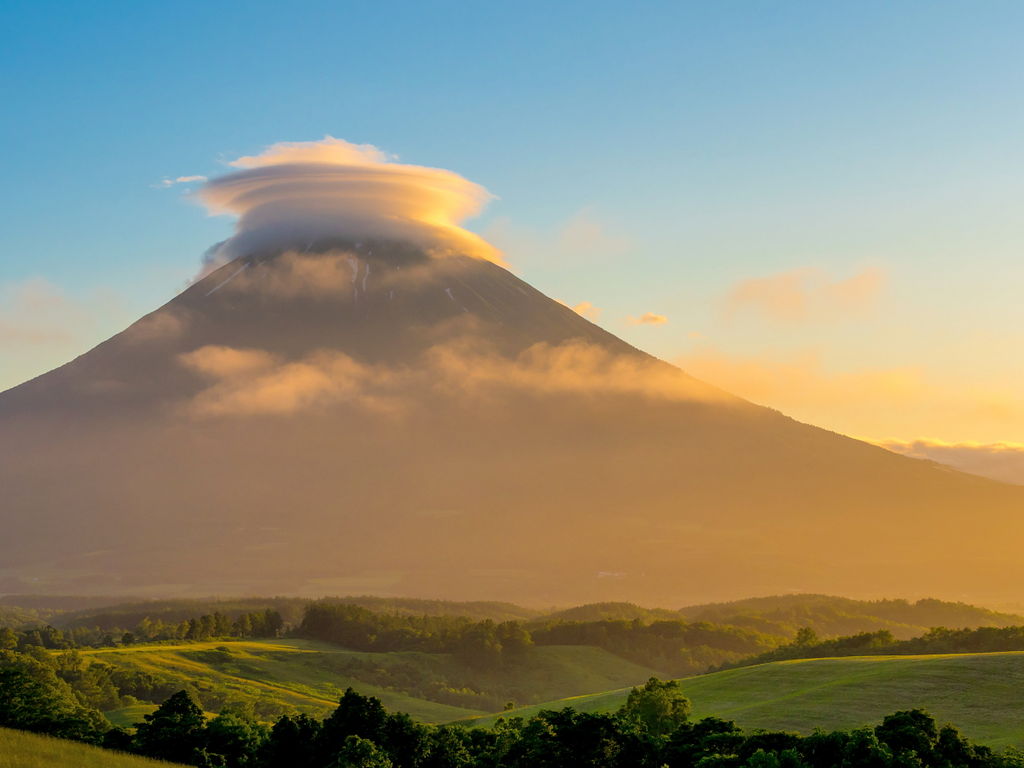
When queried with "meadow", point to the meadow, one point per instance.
{"points": [[310, 676], [982, 693], [19, 749]]}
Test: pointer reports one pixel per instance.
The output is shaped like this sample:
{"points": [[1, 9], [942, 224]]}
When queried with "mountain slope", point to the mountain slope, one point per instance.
{"points": [[367, 419]]}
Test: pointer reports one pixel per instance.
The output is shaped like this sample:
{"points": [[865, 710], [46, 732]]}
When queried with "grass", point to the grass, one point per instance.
{"points": [[127, 717], [982, 694], [28, 750], [295, 674], [310, 676]]}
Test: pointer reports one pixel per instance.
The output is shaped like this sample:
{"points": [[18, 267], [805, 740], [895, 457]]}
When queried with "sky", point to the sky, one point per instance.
{"points": [[813, 205]]}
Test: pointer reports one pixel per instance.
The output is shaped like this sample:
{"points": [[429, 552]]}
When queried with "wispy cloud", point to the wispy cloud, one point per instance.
{"points": [[803, 295], [999, 461], [584, 309], [165, 183], [252, 382], [647, 318], [35, 312]]}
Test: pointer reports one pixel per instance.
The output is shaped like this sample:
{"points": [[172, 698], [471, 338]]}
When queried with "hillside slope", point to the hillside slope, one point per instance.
{"points": [[281, 676], [19, 749], [982, 694]]}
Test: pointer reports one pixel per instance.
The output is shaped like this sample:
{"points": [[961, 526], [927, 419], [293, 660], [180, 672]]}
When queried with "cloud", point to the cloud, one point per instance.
{"points": [[299, 275], [221, 362], [999, 461], [165, 183], [35, 312], [575, 367], [294, 194], [647, 318], [584, 309], [251, 381], [803, 295], [867, 401]]}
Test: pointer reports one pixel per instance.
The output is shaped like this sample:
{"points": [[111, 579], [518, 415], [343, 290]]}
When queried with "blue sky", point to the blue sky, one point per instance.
{"points": [[820, 198]]}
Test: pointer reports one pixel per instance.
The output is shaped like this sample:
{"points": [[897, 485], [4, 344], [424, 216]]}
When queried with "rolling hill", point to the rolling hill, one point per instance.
{"points": [[280, 676], [829, 615], [981, 693]]}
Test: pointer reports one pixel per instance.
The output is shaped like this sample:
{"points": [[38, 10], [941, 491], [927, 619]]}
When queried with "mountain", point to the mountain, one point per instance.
{"points": [[365, 418]]}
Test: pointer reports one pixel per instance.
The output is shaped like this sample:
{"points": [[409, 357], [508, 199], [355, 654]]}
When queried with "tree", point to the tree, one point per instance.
{"points": [[8, 639], [479, 645], [235, 737], [909, 731], [356, 715], [448, 749], [174, 732], [357, 752], [292, 742], [805, 636], [242, 626], [658, 708]]}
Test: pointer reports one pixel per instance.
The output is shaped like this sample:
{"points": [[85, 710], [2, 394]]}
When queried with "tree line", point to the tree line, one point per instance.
{"points": [[807, 645], [256, 624], [675, 647]]}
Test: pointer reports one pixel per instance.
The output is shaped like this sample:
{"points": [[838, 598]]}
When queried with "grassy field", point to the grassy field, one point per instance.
{"points": [[309, 676], [982, 694], [27, 750]]}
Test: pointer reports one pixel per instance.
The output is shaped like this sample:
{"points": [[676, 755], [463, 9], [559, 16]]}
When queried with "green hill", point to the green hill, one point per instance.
{"points": [[19, 749], [830, 616], [278, 676], [610, 612], [983, 694]]}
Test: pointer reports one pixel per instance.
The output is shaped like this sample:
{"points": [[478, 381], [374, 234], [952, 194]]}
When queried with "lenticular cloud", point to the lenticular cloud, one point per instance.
{"points": [[295, 194]]}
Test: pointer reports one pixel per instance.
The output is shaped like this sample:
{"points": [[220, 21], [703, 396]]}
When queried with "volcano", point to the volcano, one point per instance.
{"points": [[363, 417]]}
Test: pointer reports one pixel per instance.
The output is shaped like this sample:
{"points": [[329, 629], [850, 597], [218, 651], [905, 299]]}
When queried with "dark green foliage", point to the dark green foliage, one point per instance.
{"points": [[235, 737], [292, 741], [33, 698], [357, 752], [175, 732], [657, 709], [479, 643], [673, 646]]}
